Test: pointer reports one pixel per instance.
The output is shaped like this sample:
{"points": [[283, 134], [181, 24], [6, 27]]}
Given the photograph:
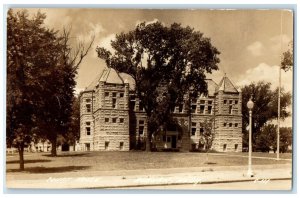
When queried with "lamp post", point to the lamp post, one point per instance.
{"points": [[250, 105]]}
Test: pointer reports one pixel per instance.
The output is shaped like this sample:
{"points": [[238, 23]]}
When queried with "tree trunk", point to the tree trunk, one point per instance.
{"points": [[148, 143], [53, 149], [148, 140], [21, 156]]}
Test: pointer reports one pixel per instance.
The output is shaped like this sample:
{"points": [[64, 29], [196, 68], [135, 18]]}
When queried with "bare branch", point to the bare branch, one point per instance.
{"points": [[83, 53]]}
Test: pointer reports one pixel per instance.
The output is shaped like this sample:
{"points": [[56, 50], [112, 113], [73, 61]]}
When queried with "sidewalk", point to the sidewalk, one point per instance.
{"points": [[155, 177]]}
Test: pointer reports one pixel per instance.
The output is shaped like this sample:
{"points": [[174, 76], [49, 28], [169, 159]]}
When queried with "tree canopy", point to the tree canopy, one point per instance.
{"points": [[287, 60], [41, 70], [265, 107], [267, 138], [31, 51], [167, 63]]}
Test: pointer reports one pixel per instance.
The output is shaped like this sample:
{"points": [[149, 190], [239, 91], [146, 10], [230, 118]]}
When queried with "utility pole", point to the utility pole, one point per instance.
{"points": [[279, 89]]}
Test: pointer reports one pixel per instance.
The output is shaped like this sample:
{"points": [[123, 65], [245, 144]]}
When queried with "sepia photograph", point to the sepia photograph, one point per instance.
{"points": [[151, 99]]}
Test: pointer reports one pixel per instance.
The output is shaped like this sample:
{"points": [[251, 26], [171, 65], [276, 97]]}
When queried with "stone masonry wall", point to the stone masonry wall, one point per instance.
{"points": [[86, 121], [112, 118], [113, 126], [228, 124]]}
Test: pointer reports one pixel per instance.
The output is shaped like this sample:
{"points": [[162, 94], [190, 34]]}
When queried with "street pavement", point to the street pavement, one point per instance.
{"points": [[245, 185], [156, 177]]}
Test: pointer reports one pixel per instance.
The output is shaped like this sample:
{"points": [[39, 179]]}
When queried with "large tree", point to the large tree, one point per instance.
{"points": [[31, 50], [59, 85], [167, 64], [286, 139], [267, 138], [41, 67], [265, 107]]}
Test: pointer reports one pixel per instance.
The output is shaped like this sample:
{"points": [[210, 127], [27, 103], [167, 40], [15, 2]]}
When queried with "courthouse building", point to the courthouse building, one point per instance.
{"points": [[111, 117]]}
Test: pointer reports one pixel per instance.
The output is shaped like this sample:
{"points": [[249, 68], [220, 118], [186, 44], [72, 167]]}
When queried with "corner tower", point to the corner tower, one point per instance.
{"points": [[228, 117]]}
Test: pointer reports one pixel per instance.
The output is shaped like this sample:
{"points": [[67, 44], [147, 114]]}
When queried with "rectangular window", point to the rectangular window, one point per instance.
{"points": [[88, 108], [230, 109], [225, 101], [121, 145], [193, 131], [141, 130], [132, 105], [88, 130], [106, 119], [224, 147], [106, 145], [236, 124], [209, 109], [106, 94], [173, 110], [180, 108], [236, 147], [87, 100], [225, 124], [88, 123], [236, 102], [194, 108], [202, 107], [230, 101], [141, 106], [141, 122], [201, 131], [193, 128], [114, 94], [121, 120], [121, 95], [210, 102], [87, 146], [114, 101], [230, 124], [114, 120], [202, 101]]}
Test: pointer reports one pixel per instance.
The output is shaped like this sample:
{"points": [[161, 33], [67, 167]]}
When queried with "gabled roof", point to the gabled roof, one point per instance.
{"points": [[227, 86]]}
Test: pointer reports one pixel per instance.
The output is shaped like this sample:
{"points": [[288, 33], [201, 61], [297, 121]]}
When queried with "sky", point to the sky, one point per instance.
{"points": [[249, 40]]}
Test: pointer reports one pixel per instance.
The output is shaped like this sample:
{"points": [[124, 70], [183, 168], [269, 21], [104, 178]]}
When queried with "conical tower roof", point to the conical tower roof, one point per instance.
{"points": [[227, 86], [110, 75]]}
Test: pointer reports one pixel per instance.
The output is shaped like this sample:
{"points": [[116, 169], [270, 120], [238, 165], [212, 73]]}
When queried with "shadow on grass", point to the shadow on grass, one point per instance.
{"points": [[49, 169], [210, 163], [69, 155], [27, 161]]}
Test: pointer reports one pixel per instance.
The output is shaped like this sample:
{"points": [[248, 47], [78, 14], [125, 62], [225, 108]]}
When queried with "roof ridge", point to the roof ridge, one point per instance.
{"points": [[96, 79], [118, 73], [107, 74], [230, 85]]}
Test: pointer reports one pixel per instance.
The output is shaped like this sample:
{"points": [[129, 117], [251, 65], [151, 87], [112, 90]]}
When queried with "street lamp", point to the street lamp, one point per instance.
{"points": [[250, 105]]}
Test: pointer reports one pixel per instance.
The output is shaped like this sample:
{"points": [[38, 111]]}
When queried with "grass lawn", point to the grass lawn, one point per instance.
{"points": [[85, 162]]}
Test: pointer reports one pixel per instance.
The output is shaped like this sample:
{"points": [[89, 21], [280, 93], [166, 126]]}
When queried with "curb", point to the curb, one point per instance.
{"points": [[182, 183]]}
